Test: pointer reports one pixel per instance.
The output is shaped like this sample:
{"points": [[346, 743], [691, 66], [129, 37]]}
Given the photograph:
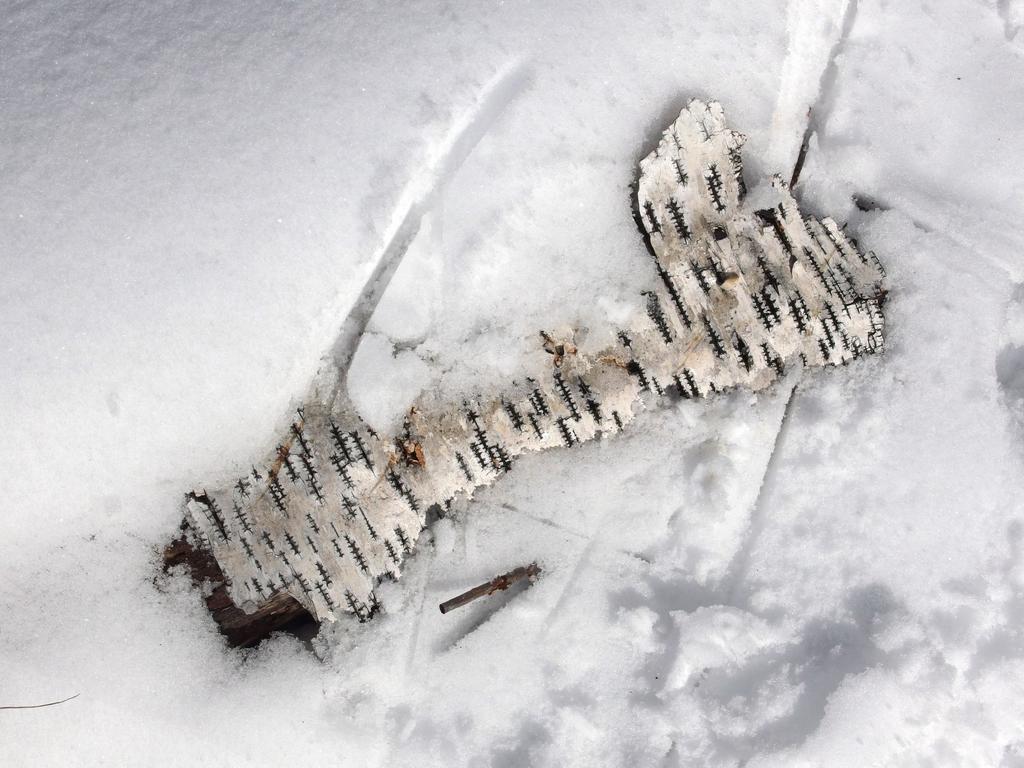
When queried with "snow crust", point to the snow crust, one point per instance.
{"points": [[828, 573]]}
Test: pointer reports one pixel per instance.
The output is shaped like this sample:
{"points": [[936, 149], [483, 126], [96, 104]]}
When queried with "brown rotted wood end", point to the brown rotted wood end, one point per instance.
{"points": [[280, 613]]}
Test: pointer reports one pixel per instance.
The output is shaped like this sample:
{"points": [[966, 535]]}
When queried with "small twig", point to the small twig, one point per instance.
{"points": [[804, 146], [39, 706], [498, 584]]}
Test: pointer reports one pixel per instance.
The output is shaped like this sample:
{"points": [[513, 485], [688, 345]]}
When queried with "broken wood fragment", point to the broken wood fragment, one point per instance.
{"points": [[280, 612], [497, 584]]}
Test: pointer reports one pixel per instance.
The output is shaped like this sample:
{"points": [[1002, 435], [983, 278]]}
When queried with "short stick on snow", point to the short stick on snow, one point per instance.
{"points": [[497, 584]]}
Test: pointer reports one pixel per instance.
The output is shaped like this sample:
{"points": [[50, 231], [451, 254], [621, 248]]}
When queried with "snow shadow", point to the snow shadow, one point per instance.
{"points": [[772, 698]]}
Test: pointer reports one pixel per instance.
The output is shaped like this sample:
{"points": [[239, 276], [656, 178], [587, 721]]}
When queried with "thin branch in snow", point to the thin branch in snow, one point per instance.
{"points": [[40, 706], [819, 111], [802, 154]]}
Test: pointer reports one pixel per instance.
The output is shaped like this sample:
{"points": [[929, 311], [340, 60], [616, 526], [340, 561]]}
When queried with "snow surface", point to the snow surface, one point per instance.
{"points": [[827, 574]]}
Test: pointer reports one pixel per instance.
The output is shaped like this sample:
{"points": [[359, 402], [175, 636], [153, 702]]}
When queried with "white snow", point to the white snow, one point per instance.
{"points": [[192, 197]]}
